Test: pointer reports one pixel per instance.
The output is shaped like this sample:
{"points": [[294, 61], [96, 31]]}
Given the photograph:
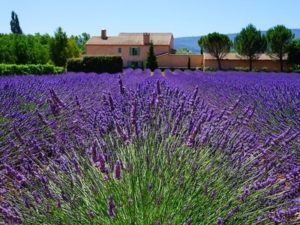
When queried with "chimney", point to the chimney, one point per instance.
{"points": [[146, 38], [103, 34]]}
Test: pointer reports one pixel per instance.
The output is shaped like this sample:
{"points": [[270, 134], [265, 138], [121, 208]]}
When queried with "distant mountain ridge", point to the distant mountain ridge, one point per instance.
{"points": [[191, 43]]}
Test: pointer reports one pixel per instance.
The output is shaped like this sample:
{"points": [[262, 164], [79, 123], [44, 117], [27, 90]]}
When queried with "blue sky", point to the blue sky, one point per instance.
{"points": [[181, 17]]}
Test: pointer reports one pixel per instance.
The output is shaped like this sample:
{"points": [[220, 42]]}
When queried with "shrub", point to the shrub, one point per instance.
{"points": [[74, 64], [14, 69], [97, 64]]}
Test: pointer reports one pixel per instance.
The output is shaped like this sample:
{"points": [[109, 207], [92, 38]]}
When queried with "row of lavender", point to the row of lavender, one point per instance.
{"points": [[251, 119]]}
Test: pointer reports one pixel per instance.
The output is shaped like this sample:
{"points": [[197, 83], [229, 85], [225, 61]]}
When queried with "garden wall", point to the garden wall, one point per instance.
{"points": [[260, 65], [179, 61]]}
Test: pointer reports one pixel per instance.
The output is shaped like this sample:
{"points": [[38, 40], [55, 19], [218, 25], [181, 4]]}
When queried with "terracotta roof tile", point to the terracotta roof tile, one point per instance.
{"points": [[132, 39]]}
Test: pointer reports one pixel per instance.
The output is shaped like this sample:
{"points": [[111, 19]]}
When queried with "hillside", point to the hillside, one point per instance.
{"points": [[191, 43]]}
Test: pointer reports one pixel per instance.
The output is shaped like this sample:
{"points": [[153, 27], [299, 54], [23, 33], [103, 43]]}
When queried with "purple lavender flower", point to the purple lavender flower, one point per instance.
{"points": [[101, 163], [37, 197], [133, 113], [220, 221], [111, 102], [121, 86], [121, 133], [111, 207], [245, 194], [118, 170]]}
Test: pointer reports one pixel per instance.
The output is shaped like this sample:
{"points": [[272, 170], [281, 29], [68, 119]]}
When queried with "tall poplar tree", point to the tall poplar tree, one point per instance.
{"points": [[14, 24]]}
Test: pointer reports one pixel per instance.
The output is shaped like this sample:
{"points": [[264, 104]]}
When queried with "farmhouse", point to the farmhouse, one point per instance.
{"points": [[133, 48]]}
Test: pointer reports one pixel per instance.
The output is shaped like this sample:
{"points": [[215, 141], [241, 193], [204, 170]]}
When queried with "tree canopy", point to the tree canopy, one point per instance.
{"points": [[24, 49], [279, 38], [216, 44], [35, 49], [81, 41], [250, 43], [62, 48]]}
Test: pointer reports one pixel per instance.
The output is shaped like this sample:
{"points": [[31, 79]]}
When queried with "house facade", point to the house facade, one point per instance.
{"points": [[132, 47]]}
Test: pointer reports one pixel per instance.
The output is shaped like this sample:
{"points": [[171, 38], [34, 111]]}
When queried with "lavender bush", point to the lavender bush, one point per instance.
{"points": [[138, 147]]}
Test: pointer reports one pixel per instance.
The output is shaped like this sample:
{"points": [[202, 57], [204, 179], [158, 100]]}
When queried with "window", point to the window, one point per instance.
{"points": [[119, 50], [135, 64], [134, 51]]}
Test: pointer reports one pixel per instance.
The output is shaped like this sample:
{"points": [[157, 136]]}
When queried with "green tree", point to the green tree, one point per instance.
{"points": [[218, 45], [151, 62], [73, 50], [14, 24], [7, 51], [294, 52], [58, 47], [21, 49], [42, 48], [279, 38], [81, 41], [38, 52], [250, 43], [24, 49]]}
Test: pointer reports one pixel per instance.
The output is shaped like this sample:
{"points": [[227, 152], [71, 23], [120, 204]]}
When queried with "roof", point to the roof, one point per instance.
{"points": [[132, 39], [235, 56]]}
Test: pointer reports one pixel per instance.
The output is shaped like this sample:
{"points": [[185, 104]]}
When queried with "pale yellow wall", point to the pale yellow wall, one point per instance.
{"points": [[113, 50], [179, 61]]}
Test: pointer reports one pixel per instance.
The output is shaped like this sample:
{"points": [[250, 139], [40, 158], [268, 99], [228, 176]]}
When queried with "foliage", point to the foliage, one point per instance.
{"points": [[97, 64], [73, 50], [14, 24], [151, 61], [81, 41], [37, 69], [58, 47], [37, 49], [216, 44], [294, 52], [7, 49], [62, 48], [279, 38], [24, 49], [75, 65], [250, 43], [183, 51]]}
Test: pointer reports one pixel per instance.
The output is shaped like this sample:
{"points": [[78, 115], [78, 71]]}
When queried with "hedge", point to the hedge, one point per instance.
{"points": [[36, 69], [97, 64]]}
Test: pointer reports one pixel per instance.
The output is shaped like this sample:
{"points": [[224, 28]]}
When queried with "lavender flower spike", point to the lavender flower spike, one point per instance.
{"points": [[111, 207], [118, 170]]}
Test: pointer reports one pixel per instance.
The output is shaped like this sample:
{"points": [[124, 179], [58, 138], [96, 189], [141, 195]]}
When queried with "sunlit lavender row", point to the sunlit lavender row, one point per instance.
{"points": [[142, 147]]}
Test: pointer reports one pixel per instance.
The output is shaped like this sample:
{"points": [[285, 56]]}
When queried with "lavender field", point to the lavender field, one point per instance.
{"points": [[181, 147]]}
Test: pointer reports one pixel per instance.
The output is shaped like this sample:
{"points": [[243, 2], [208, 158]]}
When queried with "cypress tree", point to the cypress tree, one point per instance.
{"points": [[14, 24], [151, 62]]}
